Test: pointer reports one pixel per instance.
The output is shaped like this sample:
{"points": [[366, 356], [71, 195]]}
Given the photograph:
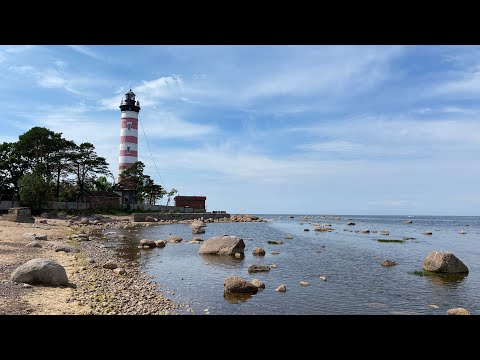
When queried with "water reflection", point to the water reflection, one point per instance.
{"points": [[222, 260], [442, 279], [236, 298]]}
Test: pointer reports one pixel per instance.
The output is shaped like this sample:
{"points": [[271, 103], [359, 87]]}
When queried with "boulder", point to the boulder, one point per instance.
{"points": [[35, 244], [65, 247], [443, 262], [40, 271], [160, 243], [281, 288], [258, 252], [458, 311], [110, 264], [85, 221], [198, 230], [223, 245], [149, 243], [258, 283], [175, 239], [235, 284], [258, 268]]}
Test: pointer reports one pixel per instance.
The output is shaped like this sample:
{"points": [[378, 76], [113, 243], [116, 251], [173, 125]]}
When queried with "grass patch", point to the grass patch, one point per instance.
{"points": [[390, 240]]}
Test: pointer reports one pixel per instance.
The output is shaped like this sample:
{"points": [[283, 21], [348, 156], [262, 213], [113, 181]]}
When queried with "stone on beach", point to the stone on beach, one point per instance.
{"points": [[35, 244], [458, 311], [235, 284], [110, 264], [40, 271], [443, 262], [258, 252], [64, 247], [258, 268], [223, 245], [119, 271]]}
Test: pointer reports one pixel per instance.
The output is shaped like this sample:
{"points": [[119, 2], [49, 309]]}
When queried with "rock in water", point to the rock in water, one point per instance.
{"points": [[323, 278], [258, 283], [40, 271], [388, 263], [458, 311], [223, 245], [304, 283], [258, 252], [160, 243], [198, 230], [174, 239], [149, 243], [235, 284], [351, 223], [306, 229], [444, 262], [258, 268], [281, 288]]}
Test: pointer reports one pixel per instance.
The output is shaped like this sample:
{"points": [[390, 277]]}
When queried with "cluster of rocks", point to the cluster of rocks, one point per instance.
{"points": [[245, 218]]}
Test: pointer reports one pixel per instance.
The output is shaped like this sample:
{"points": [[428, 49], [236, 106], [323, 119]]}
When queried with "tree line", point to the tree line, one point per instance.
{"points": [[44, 166]]}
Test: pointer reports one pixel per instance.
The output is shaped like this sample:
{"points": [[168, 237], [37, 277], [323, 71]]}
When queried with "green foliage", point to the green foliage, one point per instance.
{"points": [[12, 167], [34, 191], [87, 164], [170, 194]]}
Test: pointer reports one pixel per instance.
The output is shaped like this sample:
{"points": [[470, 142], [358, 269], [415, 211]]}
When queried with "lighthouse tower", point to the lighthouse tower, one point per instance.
{"points": [[128, 132]]}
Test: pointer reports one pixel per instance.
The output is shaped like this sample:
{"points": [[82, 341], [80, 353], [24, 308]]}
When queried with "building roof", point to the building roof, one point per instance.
{"points": [[190, 198]]}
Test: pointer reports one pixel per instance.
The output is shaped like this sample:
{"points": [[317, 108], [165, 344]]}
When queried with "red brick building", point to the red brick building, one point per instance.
{"points": [[193, 202]]}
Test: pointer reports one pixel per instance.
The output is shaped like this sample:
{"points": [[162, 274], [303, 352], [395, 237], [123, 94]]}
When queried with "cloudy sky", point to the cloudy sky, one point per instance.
{"points": [[270, 129]]}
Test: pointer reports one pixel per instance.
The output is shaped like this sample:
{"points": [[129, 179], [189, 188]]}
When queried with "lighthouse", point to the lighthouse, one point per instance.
{"points": [[128, 132]]}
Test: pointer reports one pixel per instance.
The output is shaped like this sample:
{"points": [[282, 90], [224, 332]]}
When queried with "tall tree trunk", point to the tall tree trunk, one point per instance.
{"points": [[58, 183]]}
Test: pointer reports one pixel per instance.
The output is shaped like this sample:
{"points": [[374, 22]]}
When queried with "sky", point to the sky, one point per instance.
{"points": [[380, 130]]}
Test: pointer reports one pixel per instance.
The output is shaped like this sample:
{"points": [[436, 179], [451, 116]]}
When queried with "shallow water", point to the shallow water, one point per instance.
{"points": [[356, 282]]}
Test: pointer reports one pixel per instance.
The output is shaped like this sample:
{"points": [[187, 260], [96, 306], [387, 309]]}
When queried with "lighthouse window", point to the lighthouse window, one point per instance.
{"points": [[128, 149], [129, 125]]}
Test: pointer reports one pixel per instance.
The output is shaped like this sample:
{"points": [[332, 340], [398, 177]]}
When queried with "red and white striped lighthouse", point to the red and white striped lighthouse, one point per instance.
{"points": [[128, 132]]}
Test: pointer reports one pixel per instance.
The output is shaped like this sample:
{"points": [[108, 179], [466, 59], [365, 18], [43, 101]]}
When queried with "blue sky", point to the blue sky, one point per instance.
{"points": [[270, 129]]}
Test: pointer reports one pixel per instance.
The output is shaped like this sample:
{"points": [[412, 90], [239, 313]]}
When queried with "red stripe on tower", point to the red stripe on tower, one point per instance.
{"points": [[128, 153]]}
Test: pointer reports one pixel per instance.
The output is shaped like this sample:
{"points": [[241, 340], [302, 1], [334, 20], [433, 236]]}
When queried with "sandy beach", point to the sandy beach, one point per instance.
{"points": [[92, 289]]}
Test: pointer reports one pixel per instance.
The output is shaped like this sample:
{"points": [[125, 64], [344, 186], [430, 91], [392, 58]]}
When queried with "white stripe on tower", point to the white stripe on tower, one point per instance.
{"points": [[128, 132]]}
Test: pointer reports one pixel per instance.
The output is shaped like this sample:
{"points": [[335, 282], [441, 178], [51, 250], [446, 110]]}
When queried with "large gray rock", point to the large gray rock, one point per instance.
{"points": [[223, 245], [235, 284], [40, 271], [443, 262]]}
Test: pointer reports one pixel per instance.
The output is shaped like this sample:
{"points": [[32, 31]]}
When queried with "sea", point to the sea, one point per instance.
{"points": [[356, 282]]}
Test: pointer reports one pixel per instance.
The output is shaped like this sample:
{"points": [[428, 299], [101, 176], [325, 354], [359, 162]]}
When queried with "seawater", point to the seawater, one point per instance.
{"points": [[356, 282]]}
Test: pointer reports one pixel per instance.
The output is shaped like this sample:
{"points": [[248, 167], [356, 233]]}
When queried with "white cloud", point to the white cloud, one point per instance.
{"points": [[84, 50]]}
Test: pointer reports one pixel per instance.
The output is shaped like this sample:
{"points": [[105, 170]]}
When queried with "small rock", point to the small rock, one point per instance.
{"points": [[235, 284], [462, 232], [384, 232], [433, 306], [110, 264], [351, 223], [148, 243], [458, 311], [160, 243], [119, 271], [40, 237], [427, 233], [288, 237], [258, 268], [27, 286], [258, 252], [198, 230], [323, 278], [407, 222], [306, 229], [388, 263], [34, 244], [197, 238], [258, 283], [274, 253], [238, 255], [273, 266], [275, 242], [175, 239], [304, 283], [365, 231], [90, 260], [281, 288]]}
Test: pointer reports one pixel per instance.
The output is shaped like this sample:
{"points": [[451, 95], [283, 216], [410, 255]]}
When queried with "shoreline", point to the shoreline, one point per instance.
{"points": [[92, 290]]}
